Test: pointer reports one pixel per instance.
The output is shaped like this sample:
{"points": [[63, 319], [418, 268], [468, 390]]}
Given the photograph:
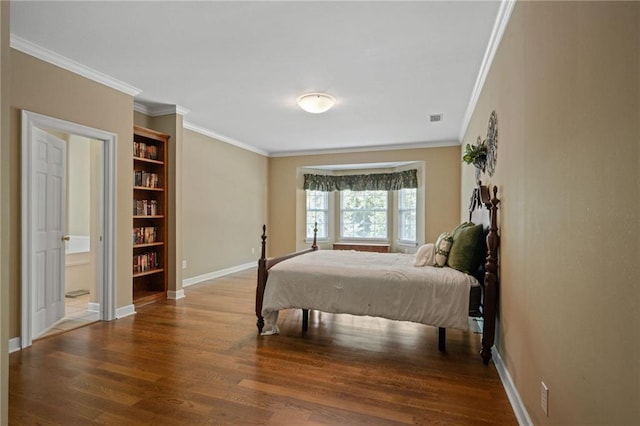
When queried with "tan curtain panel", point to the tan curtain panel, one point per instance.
{"points": [[370, 182]]}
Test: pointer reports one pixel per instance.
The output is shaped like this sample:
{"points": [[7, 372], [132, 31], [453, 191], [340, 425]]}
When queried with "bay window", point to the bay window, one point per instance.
{"points": [[375, 207]]}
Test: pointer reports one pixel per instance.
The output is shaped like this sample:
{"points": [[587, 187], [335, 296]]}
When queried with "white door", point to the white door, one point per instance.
{"points": [[48, 218]]}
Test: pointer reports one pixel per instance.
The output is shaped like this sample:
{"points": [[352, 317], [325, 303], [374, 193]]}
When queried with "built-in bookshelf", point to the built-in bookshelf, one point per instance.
{"points": [[150, 219]]}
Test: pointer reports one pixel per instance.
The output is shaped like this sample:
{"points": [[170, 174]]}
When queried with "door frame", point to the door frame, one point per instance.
{"points": [[106, 285]]}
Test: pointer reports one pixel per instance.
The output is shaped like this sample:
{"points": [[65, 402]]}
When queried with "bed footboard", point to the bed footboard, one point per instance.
{"points": [[265, 264]]}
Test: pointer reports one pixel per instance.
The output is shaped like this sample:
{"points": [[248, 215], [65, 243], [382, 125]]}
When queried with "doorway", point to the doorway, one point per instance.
{"points": [[78, 215], [82, 245]]}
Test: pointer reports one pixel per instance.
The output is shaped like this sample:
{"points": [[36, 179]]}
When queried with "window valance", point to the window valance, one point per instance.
{"points": [[369, 182]]}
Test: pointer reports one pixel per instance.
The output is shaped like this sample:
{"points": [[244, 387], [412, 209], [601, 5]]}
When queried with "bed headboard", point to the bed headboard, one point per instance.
{"points": [[479, 199]]}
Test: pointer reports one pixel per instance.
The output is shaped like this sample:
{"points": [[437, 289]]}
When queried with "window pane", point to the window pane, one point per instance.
{"points": [[364, 214], [376, 200], [407, 198], [316, 200], [407, 202], [317, 212]]}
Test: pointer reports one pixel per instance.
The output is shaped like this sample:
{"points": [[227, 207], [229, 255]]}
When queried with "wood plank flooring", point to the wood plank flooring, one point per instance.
{"points": [[199, 360]]}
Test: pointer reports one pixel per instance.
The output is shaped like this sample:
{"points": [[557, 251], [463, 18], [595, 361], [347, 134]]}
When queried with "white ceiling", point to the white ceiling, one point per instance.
{"points": [[238, 66]]}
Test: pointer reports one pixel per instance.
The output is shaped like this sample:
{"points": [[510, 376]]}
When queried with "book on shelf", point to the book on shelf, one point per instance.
{"points": [[145, 235], [146, 208], [145, 262], [150, 234], [143, 150], [146, 179]]}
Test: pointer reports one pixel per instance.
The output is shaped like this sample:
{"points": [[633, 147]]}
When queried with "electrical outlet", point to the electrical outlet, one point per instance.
{"points": [[544, 398], [184, 264]]}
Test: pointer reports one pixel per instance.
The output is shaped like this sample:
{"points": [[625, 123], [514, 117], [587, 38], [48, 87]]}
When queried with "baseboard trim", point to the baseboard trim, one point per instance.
{"points": [[14, 345], [125, 311], [175, 295], [217, 274], [512, 393]]}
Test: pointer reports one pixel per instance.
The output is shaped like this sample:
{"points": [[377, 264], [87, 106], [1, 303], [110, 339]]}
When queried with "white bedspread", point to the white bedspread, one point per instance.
{"points": [[361, 283]]}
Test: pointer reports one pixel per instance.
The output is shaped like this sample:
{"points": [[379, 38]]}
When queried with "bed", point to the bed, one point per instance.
{"points": [[386, 285]]}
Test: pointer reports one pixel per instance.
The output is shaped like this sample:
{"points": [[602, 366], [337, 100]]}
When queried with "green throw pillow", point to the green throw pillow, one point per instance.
{"points": [[459, 228], [466, 248]]}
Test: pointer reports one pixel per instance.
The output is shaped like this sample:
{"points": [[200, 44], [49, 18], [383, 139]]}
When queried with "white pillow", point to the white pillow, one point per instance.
{"points": [[425, 256], [443, 246]]}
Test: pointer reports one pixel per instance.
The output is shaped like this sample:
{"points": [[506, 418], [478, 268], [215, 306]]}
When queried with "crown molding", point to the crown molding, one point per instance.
{"points": [[180, 110], [138, 107], [160, 109], [206, 132], [420, 145], [502, 19], [58, 60]]}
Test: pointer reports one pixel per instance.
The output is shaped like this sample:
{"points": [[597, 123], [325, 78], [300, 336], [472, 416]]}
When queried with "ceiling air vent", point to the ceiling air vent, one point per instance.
{"points": [[435, 117]]}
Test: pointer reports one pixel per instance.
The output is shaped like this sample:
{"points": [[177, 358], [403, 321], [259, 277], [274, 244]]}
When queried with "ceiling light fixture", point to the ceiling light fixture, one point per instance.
{"points": [[316, 103]]}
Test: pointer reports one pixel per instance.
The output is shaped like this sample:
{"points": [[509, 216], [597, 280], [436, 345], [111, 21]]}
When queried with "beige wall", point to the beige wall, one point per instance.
{"points": [[286, 200], [78, 186], [171, 124], [43, 88], [566, 87], [5, 203], [84, 195], [84, 200], [224, 204], [143, 120]]}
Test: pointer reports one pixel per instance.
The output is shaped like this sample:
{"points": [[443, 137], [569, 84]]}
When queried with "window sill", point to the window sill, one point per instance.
{"points": [[363, 241], [318, 240], [380, 248], [412, 244]]}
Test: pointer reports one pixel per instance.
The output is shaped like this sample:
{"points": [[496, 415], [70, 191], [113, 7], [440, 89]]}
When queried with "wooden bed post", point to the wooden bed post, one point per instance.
{"points": [[490, 279], [314, 247], [442, 339], [263, 272], [262, 279]]}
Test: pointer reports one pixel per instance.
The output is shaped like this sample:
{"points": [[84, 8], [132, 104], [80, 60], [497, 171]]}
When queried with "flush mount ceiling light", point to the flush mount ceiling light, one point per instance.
{"points": [[316, 103]]}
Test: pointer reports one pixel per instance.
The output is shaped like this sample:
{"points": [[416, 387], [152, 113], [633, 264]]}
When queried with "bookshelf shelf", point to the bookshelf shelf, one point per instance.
{"points": [[150, 218], [145, 273], [146, 188], [137, 246], [148, 160]]}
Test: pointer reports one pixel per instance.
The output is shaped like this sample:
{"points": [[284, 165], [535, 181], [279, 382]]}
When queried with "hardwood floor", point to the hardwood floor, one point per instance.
{"points": [[199, 361]]}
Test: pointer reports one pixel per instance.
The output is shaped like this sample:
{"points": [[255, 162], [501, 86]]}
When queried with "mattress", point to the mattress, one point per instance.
{"points": [[383, 285]]}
